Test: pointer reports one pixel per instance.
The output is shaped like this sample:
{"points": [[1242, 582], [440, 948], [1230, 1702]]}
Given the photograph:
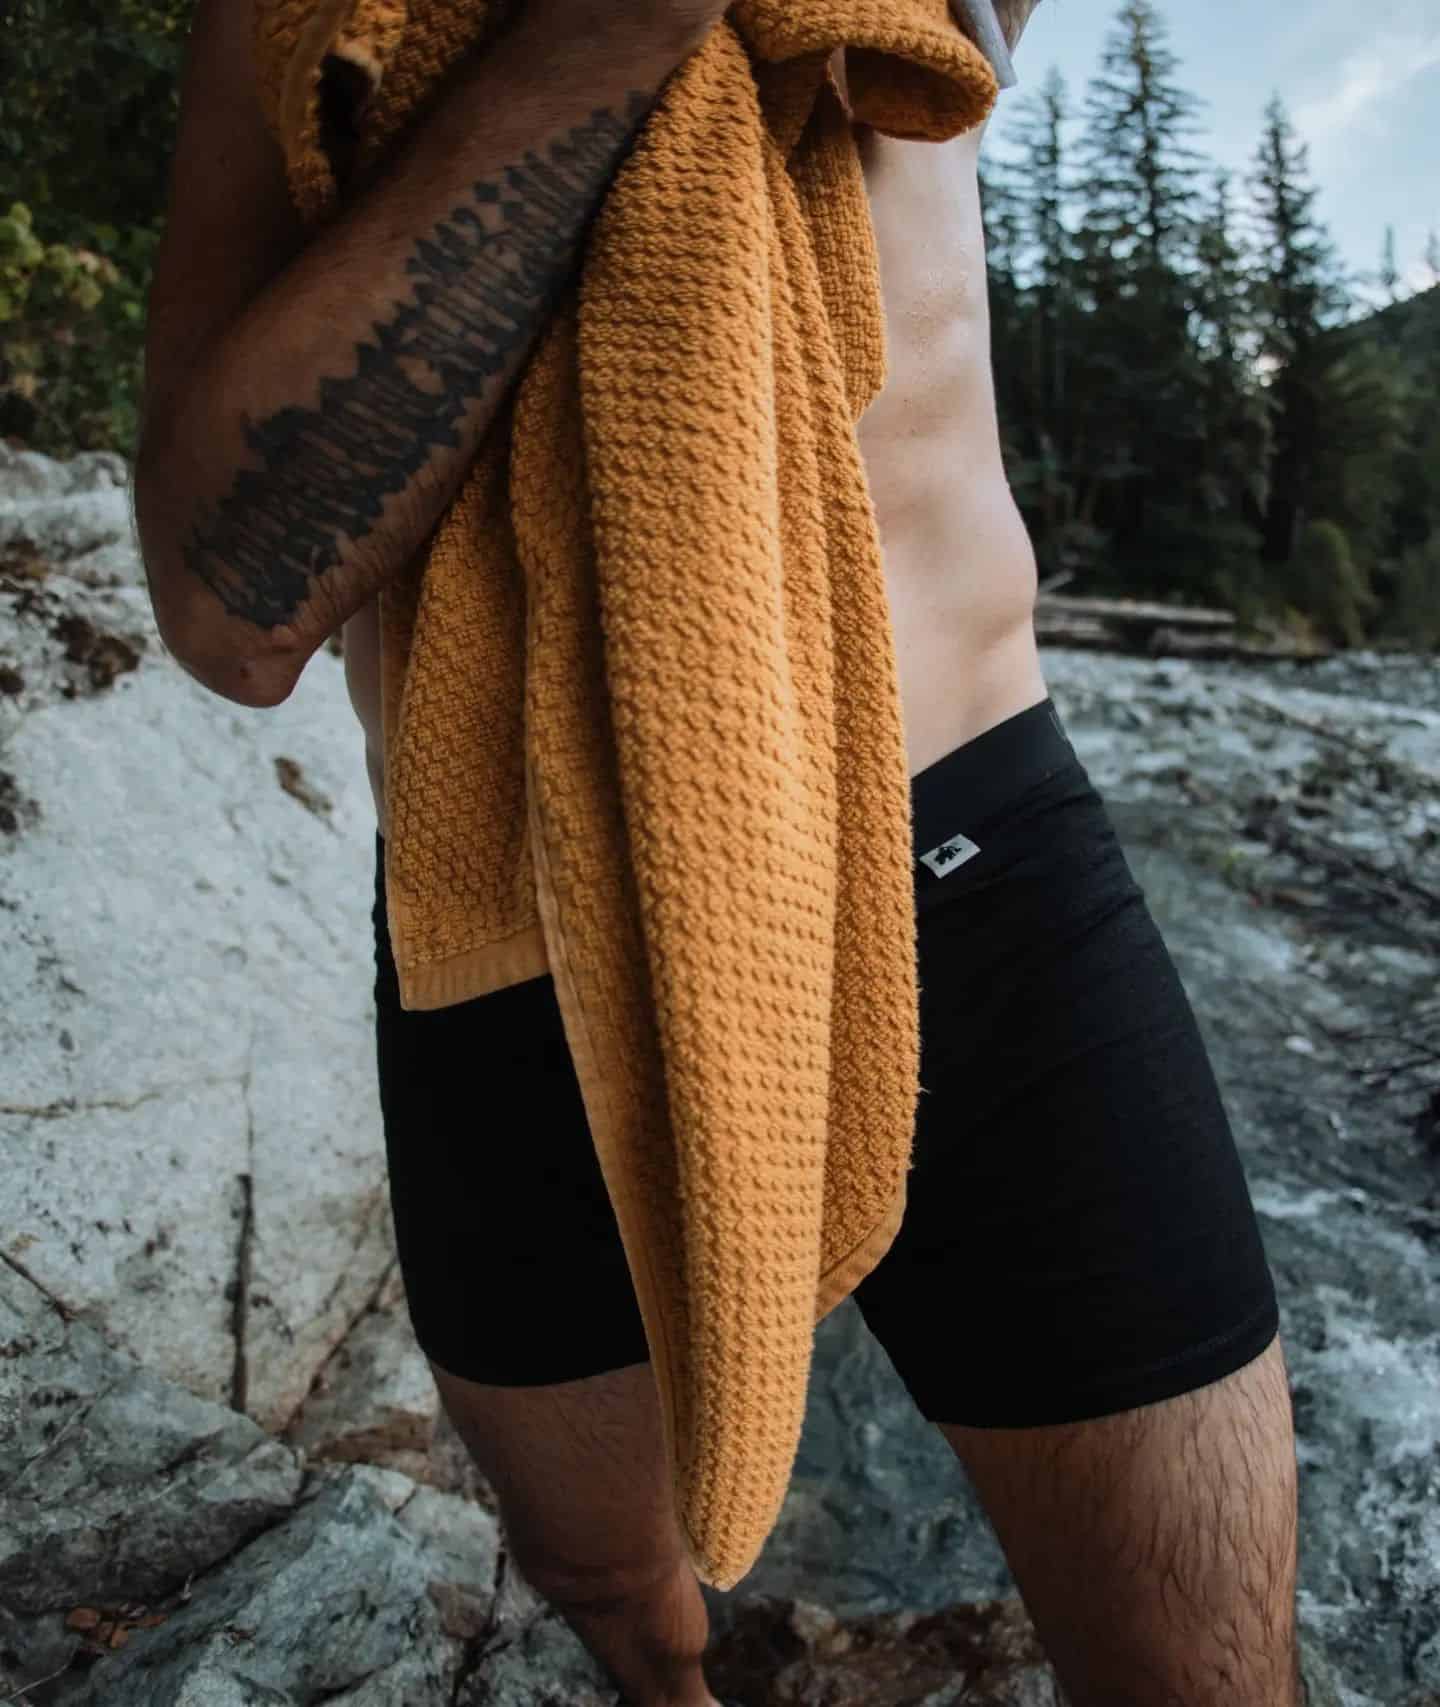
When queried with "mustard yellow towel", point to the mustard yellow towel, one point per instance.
{"points": [[641, 711]]}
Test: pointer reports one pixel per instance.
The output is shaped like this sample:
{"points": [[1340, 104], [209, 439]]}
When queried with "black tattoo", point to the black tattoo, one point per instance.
{"points": [[486, 279]]}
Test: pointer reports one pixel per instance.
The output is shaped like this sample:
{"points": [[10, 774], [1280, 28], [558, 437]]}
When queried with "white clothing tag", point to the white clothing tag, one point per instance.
{"points": [[950, 856]]}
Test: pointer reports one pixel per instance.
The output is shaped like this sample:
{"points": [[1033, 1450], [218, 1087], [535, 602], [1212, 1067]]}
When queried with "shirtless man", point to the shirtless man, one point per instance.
{"points": [[1119, 1400]]}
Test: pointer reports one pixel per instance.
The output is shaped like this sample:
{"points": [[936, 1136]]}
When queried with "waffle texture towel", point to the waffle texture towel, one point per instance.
{"points": [[640, 701]]}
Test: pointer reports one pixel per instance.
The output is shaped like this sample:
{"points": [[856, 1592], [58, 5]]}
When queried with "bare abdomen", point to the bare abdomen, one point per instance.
{"points": [[959, 564]]}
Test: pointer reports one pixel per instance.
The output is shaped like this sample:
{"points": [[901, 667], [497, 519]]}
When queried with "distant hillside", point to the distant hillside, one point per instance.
{"points": [[1399, 345], [1410, 328]]}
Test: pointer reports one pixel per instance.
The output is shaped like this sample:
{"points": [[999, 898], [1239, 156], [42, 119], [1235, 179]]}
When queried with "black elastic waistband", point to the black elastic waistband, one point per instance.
{"points": [[957, 796]]}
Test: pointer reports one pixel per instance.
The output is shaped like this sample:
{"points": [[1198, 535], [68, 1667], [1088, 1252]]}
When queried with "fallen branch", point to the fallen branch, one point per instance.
{"points": [[1158, 640], [1345, 862], [1139, 612], [1379, 754], [1340, 1034], [1392, 1069], [24, 1690]]}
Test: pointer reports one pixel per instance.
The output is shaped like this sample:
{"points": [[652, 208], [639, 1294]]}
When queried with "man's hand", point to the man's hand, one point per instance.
{"points": [[677, 26]]}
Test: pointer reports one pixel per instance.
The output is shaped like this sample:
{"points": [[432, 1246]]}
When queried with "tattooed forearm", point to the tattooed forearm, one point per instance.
{"points": [[484, 281]]}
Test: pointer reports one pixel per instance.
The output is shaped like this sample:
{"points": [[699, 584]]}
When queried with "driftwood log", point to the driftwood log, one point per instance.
{"points": [[1152, 629]]}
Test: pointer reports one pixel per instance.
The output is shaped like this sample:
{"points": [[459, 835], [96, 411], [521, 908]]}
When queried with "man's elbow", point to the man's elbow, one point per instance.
{"points": [[257, 682], [229, 656]]}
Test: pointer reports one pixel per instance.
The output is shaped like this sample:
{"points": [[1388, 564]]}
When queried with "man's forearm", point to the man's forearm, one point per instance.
{"points": [[322, 435]]}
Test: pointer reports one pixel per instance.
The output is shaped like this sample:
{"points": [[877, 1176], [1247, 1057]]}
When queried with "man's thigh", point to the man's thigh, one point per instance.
{"points": [[1156, 1548]]}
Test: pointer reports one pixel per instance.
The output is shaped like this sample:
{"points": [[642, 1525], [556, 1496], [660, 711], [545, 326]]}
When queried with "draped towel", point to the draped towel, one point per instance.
{"points": [[640, 702]]}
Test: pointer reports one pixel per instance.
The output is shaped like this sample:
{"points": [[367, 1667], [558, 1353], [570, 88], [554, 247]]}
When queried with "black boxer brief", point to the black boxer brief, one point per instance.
{"points": [[1079, 1237]]}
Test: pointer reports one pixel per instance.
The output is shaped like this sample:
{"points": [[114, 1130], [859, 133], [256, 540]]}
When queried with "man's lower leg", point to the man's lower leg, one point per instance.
{"points": [[650, 1636]]}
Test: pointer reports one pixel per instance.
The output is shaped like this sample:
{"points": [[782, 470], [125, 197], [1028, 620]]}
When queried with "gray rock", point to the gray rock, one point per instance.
{"points": [[33, 1649], [26, 475], [58, 510], [1321, 1684], [341, 1602], [117, 1484], [57, 528], [543, 1664], [375, 1400]]}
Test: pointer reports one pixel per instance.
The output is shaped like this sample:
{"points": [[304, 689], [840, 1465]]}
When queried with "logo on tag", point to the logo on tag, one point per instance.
{"points": [[950, 856]]}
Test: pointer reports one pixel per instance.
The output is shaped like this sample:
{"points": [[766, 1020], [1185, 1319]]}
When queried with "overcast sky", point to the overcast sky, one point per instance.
{"points": [[1361, 79]]}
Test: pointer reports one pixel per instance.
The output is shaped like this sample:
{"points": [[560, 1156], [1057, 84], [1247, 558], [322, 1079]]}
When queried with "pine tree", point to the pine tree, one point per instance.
{"points": [[1051, 258], [1137, 422], [1389, 270], [1141, 174], [1298, 295], [1223, 501], [1038, 187], [1001, 218], [1363, 392], [1326, 583]]}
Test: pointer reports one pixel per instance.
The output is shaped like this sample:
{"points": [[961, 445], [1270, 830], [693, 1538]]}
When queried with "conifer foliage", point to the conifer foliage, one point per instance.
{"points": [[1197, 402]]}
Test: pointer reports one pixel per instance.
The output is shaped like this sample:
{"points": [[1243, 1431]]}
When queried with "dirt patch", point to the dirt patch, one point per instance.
{"points": [[104, 656], [295, 784], [23, 562], [30, 597], [17, 811], [11, 681], [798, 1653]]}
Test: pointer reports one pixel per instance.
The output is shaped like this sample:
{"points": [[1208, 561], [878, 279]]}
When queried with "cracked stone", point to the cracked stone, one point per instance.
{"points": [[334, 1604], [113, 1480], [375, 1400], [135, 832]]}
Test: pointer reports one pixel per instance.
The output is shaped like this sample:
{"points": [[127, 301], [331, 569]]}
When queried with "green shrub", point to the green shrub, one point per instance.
{"points": [[88, 101], [70, 319], [1329, 586]]}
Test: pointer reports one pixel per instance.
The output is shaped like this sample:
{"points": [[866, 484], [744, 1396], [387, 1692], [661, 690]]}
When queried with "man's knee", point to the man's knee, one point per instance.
{"points": [[579, 1474], [598, 1586]]}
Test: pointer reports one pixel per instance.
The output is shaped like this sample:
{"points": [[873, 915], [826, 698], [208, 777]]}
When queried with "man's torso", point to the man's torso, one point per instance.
{"points": [[959, 567]]}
